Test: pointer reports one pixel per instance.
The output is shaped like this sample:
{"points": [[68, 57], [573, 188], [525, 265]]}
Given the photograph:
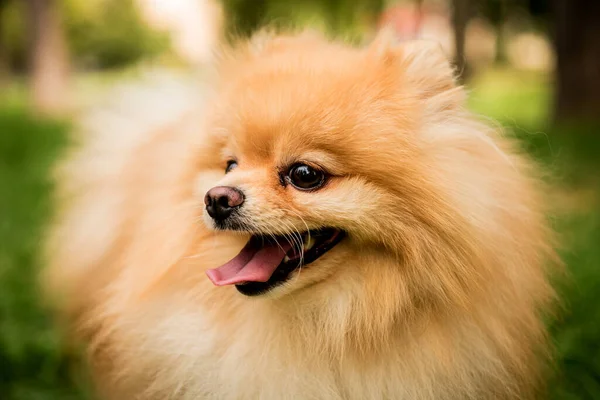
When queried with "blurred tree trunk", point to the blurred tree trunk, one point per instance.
{"points": [[577, 42], [4, 68], [4, 64], [500, 56], [49, 63], [461, 14]]}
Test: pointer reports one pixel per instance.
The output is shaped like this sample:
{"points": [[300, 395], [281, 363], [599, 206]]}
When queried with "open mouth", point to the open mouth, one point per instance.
{"points": [[268, 261]]}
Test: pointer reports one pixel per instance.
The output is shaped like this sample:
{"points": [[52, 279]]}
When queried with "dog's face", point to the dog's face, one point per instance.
{"points": [[321, 159]]}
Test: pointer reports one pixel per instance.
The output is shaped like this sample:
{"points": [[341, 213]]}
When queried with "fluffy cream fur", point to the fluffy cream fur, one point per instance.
{"points": [[436, 293]]}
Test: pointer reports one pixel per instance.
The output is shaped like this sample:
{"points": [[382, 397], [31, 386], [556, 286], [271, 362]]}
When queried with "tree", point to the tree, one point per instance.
{"points": [[341, 14], [496, 12], [4, 65], [577, 38], [49, 64], [461, 14], [245, 16], [110, 33]]}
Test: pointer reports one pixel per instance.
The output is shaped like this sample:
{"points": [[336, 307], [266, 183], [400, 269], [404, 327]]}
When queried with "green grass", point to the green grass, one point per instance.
{"points": [[33, 361], [577, 332], [521, 102]]}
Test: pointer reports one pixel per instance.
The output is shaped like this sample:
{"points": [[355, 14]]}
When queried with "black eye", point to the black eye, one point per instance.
{"points": [[304, 177], [231, 164]]}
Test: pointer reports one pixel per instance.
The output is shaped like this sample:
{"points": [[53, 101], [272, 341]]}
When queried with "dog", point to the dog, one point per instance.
{"points": [[329, 222]]}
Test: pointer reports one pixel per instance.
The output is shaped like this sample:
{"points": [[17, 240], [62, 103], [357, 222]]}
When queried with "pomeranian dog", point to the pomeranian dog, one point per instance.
{"points": [[331, 222]]}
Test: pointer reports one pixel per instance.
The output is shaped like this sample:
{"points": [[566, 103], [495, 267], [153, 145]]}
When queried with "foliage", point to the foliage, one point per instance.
{"points": [[13, 40], [338, 16], [110, 33], [100, 33]]}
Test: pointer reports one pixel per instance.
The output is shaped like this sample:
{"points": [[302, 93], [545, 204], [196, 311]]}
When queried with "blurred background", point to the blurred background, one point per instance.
{"points": [[531, 65]]}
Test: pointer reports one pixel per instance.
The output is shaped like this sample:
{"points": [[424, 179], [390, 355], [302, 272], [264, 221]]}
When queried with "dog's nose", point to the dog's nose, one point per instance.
{"points": [[222, 200]]}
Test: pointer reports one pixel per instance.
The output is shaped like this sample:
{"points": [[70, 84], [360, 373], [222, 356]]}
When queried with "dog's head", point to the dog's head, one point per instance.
{"points": [[323, 156]]}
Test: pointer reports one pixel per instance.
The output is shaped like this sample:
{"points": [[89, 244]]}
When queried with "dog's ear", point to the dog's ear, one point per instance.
{"points": [[424, 65]]}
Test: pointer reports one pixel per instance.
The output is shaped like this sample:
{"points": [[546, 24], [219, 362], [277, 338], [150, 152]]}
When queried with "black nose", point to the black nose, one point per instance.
{"points": [[222, 200]]}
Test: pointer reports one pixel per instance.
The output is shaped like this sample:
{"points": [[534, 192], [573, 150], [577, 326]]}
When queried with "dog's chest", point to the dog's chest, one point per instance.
{"points": [[246, 364]]}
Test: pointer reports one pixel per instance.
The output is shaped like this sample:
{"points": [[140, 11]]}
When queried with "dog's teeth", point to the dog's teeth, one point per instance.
{"points": [[286, 259], [308, 244]]}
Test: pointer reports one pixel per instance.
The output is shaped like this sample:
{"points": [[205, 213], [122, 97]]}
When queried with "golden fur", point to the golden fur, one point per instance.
{"points": [[436, 293]]}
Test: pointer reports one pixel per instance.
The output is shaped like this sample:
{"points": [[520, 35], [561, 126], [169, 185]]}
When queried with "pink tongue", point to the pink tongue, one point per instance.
{"points": [[253, 264]]}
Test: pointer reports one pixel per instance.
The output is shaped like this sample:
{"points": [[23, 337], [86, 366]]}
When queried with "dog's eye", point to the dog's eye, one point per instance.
{"points": [[231, 164], [304, 177]]}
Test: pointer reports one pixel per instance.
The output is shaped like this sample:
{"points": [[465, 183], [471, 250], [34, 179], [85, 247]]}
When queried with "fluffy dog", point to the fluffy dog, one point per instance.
{"points": [[331, 223]]}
